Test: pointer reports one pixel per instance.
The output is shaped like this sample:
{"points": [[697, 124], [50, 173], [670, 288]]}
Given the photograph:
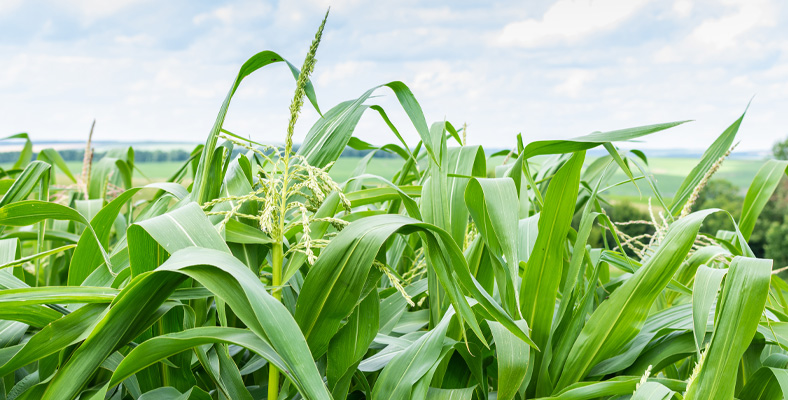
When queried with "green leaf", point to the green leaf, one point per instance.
{"points": [[334, 284], [388, 192], [704, 292], [620, 318], [53, 337], [160, 347], [330, 135], [542, 274], [168, 392], [652, 391], [25, 183], [56, 295], [37, 256], [55, 159], [513, 358], [767, 383], [740, 307], [493, 205], [135, 308], [87, 256], [450, 394], [710, 156], [592, 140], [201, 192], [761, 189], [27, 150], [184, 227], [351, 343], [398, 378], [29, 212], [115, 170], [327, 138]]}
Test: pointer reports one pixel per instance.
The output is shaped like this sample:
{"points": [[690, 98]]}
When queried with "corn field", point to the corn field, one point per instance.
{"points": [[460, 277]]}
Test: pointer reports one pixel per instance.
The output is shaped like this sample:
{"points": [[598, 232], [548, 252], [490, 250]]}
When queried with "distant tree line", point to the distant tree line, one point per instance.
{"points": [[174, 155], [139, 155]]}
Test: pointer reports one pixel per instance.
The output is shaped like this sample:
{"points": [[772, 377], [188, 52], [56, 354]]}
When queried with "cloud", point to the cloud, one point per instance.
{"points": [[234, 13], [574, 83], [343, 71], [744, 28], [140, 39], [223, 14], [441, 79], [9, 5], [92, 10], [683, 8], [724, 32], [549, 70], [569, 21]]}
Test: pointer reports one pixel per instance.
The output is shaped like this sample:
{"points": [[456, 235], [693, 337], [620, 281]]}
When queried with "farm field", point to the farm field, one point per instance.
{"points": [[670, 172], [265, 277]]}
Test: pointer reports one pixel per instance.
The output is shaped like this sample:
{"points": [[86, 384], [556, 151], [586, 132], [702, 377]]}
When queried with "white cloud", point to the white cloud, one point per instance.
{"points": [[568, 21], [683, 8], [740, 27], [140, 39], [9, 5], [149, 80], [337, 5], [223, 14], [743, 81], [723, 33], [92, 10], [440, 79], [574, 83], [234, 13], [343, 71]]}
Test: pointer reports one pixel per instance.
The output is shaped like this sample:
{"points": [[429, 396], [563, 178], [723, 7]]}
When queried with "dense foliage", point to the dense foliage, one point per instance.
{"points": [[460, 277], [780, 149], [766, 240]]}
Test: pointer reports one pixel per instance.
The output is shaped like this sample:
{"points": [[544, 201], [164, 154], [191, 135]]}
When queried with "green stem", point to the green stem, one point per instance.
{"points": [[276, 282], [277, 258], [42, 226]]}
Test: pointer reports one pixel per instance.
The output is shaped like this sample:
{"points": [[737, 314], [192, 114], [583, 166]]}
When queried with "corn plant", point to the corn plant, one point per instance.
{"points": [[458, 276]]}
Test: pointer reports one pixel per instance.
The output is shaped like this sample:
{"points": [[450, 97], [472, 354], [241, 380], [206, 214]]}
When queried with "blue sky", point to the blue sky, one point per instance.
{"points": [[153, 70]]}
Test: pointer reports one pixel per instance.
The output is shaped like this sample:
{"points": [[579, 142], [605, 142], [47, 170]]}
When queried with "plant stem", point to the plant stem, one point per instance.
{"points": [[276, 281], [42, 226]]}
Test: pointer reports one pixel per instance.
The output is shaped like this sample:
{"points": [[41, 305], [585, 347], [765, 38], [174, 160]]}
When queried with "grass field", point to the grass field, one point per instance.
{"points": [[670, 172]]}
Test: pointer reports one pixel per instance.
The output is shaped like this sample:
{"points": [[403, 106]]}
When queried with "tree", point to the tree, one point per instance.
{"points": [[777, 243], [723, 194], [771, 230], [780, 150]]}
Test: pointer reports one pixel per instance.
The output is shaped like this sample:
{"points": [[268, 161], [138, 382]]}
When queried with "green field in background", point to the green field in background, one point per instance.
{"points": [[670, 172]]}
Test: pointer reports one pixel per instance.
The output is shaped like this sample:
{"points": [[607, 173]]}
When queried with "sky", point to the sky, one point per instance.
{"points": [[150, 70]]}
